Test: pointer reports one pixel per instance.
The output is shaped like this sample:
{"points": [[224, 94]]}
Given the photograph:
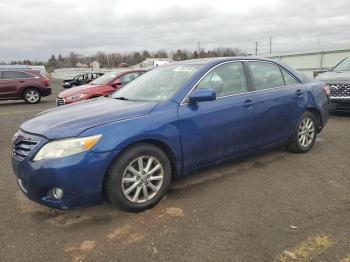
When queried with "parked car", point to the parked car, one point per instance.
{"points": [[102, 86], [81, 79], [166, 124], [338, 80], [25, 84]]}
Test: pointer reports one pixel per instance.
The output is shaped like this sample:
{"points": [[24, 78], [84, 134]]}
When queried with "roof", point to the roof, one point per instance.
{"points": [[203, 61]]}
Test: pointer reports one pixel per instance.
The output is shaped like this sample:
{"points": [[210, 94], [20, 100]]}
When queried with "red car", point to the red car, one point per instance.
{"points": [[26, 84], [102, 86]]}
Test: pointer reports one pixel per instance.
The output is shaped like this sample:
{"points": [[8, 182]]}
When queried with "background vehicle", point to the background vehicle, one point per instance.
{"points": [[166, 124], [102, 86], [25, 84], [81, 79], [338, 80]]}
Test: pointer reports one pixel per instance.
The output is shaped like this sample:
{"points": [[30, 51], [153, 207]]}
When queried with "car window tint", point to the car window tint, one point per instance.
{"points": [[266, 75], [227, 79], [288, 79], [10, 75], [25, 75], [128, 77]]}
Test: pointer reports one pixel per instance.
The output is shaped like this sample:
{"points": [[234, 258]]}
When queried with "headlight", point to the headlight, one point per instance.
{"points": [[66, 147], [76, 97]]}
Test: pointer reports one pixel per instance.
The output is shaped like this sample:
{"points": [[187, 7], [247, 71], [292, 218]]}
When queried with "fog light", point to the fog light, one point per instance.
{"points": [[57, 193]]}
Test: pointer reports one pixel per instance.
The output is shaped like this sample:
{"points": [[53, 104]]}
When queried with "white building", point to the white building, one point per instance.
{"points": [[313, 61]]}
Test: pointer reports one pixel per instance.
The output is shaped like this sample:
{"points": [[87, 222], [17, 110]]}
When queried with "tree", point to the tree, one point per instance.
{"points": [[73, 59], [145, 54]]}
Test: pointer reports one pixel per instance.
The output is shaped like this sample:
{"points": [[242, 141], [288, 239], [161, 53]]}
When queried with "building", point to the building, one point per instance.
{"points": [[312, 62]]}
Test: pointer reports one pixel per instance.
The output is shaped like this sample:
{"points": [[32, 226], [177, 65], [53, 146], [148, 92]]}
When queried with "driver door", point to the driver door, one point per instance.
{"points": [[213, 130]]}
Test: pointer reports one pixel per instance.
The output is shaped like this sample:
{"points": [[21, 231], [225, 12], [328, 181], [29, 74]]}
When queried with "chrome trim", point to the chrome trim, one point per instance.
{"points": [[340, 97], [20, 184], [241, 60]]}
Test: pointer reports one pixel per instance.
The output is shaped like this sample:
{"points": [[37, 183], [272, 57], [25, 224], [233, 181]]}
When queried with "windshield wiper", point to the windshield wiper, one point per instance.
{"points": [[122, 98]]}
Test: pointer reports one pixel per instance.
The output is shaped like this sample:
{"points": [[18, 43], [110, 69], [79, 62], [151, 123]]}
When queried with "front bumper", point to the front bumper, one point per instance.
{"points": [[340, 104], [79, 176]]}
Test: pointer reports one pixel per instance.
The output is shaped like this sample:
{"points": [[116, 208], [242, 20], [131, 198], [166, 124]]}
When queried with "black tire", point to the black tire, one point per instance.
{"points": [[295, 145], [32, 96], [113, 186]]}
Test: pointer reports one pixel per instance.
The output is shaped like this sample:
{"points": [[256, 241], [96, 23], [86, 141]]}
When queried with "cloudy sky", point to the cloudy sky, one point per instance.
{"points": [[34, 29]]}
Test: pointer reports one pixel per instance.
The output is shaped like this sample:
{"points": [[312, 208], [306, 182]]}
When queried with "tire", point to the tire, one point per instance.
{"points": [[304, 134], [125, 189], [32, 96]]}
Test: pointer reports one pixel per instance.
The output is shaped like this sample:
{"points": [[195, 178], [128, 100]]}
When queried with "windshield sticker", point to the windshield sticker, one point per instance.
{"points": [[184, 69]]}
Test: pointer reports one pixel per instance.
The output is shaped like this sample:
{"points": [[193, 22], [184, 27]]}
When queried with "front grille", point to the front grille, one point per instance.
{"points": [[60, 101], [340, 90], [22, 148]]}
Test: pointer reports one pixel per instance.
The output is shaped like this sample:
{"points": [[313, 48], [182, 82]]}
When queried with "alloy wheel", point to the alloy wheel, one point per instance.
{"points": [[32, 96], [306, 132], [142, 179]]}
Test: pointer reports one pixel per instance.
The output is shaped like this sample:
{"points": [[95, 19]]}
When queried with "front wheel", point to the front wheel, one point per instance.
{"points": [[32, 96], [139, 178], [304, 134]]}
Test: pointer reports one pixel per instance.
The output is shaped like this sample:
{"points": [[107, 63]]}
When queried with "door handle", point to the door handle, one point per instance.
{"points": [[248, 103], [299, 92]]}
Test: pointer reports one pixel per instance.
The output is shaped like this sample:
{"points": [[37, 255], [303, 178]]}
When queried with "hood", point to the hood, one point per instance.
{"points": [[71, 120], [79, 90], [333, 76]]}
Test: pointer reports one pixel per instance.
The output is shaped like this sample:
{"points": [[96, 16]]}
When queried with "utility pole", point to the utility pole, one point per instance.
{"points": [[270, 44], [256, 48], [198, 47]]}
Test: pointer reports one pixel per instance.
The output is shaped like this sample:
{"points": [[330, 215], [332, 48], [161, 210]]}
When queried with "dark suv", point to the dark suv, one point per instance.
{"points": [[338, 80], [80, 80], [25, 84]]}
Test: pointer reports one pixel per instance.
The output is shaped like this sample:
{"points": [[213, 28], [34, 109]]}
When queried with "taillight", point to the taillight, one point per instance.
{"points": [[46, 81], [327, 90]]}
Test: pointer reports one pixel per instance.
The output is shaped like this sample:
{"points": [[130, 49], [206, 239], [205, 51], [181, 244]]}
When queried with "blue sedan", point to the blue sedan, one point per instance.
{"points": [[165, 125]]}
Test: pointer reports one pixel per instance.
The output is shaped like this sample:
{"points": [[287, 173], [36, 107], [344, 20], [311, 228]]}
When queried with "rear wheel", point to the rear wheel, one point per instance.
{"points": [[304, 134], [32, 96], [139, 178]]}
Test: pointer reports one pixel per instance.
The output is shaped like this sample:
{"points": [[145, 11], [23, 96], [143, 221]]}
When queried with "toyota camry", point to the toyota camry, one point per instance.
{"points": [[164, 125]]}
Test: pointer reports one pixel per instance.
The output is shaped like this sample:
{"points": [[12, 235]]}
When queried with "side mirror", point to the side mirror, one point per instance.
{"points": [[117, 83], [201, 95]]}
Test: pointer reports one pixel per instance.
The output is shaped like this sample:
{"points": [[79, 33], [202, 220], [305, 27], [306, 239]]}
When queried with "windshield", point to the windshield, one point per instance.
{"points": [[159, 84], [343, 66], [105, 79]]}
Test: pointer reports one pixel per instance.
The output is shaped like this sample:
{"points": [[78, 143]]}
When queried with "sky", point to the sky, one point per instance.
{"points": [[35, 29]]}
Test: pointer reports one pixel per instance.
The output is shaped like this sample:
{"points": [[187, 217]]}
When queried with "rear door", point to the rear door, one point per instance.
{"points": [[213, 130], [279, 100], [9, 83]]}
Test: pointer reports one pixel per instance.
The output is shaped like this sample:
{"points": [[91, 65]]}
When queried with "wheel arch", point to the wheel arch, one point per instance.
{"points": [[317, 114], [23, 89], [155, 142]]}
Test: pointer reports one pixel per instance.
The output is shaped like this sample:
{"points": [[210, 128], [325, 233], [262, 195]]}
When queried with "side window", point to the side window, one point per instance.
{"points": [[227, 79], [128, 77], [25, 75], [290, 80], [266, 75], [10, 75]]}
